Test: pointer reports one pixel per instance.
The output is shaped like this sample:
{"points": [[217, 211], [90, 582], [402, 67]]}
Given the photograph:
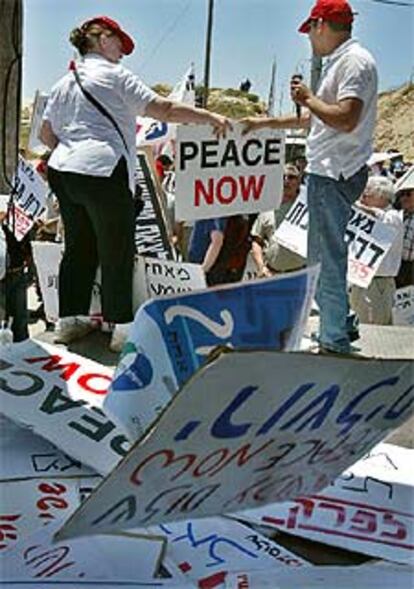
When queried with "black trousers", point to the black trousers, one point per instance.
{"points": [[98, 218]]}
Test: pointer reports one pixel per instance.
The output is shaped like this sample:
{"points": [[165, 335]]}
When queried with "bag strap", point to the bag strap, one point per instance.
{"points": [[97, 104]]}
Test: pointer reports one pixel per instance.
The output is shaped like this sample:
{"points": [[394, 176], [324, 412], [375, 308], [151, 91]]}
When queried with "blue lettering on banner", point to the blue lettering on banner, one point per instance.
{"points": [[135, 370], [156, 131], [212, 540]]}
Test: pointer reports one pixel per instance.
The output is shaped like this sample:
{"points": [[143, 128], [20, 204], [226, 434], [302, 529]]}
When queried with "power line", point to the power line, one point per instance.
{"points": [[394, 3]]}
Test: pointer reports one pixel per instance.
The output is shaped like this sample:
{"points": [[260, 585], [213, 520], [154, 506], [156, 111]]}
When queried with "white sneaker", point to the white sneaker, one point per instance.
{"points": [[73, 328], [119, 337]]}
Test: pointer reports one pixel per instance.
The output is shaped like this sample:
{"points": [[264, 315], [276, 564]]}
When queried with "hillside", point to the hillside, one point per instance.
{"points": [[395, 126]]}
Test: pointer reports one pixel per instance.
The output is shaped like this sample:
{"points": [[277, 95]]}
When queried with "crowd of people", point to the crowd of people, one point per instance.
{"points": [[89, 128]]}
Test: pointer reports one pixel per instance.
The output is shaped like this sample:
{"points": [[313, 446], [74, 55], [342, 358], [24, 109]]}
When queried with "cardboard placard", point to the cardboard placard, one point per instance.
{"points": [[250, 428], [29, 199], [403, 306], [367, 509], [369, 239], [114, 558], [171, 337], [239, 174], [165, 277], [209, 547], [24, 455], [60, 396], [151, 228], [39, 104]]}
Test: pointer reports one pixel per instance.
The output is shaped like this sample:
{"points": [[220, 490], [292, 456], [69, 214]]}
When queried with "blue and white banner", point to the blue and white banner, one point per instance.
{"points": [[173, 336]]}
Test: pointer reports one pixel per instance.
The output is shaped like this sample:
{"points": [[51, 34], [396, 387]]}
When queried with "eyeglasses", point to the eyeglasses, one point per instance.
{"points": [[290, 177]]}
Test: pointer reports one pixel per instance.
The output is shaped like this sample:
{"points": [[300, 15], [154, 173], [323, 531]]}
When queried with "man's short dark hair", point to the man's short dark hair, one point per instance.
{"points": [[340, 27]]}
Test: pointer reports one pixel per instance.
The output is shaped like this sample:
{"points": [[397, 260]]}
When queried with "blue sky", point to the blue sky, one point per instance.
{"points": [[248, 34]]}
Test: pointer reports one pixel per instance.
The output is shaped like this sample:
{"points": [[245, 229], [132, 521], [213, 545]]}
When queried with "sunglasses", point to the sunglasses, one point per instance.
{"points": [[290, 177]]}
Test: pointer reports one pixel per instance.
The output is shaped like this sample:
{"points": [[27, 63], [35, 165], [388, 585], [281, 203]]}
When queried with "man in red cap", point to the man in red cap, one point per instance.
{"points": [[341, 118]]}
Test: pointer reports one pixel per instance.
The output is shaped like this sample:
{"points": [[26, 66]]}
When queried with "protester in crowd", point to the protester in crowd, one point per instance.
{"points": [[405, 275], [206, 241], [14, 275], [268, 256], [163, 164], [374, 304], [89, 123], [341, 117]]}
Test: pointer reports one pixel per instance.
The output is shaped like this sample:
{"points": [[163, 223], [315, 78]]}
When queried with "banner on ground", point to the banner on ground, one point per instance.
{"points": [[151, 228], [368, 238], [171, 337], [206, 549], [387, 576], [25, 455], [39, 104], [367, 509], [28, 199], [250, 428], [113, 558], [237, 174], [59, 395], [403, 306]]}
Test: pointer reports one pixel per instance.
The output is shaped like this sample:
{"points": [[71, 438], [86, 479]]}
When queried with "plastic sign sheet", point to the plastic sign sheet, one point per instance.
{"points": [[369, 239], [24, 455], [166, 277], [171, 338], [384, 575], [109, 558], [367, 509], [223, 177], [248, 429], [151, 226], [29, 199], [403, 306], [206, 549], [59, 395], [28, 505]]}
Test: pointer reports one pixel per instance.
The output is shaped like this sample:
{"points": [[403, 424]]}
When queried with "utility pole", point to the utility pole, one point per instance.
{"points": [[208, 53], [11, 18]]}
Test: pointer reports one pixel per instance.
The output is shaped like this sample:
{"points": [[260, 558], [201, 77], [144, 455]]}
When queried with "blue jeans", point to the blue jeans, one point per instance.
{"points": [[330, 203]]}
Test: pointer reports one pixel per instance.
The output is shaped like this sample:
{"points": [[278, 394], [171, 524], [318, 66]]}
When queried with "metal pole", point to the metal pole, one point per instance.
{"points": [[11, 17], [208, 53]]}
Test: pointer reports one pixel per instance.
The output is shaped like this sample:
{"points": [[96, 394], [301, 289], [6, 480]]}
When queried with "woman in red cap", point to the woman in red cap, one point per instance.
{"points": [[89, 123]]}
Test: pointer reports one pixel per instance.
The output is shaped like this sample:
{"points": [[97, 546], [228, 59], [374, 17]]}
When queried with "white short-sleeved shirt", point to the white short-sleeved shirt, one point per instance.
{"points": [[350, 72], [392, 260], [88, 141]]}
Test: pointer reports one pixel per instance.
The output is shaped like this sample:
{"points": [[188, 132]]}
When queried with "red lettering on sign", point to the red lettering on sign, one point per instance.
{"points": [[227, 189]]}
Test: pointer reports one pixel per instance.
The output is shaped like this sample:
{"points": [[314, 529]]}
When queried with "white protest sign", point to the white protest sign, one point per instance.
{"points": [[60, 396], [112, 558], [238, 174], [403, 306], [29, 199], [368, 509], [172, 336], [31, 504], [25, 455], [369, 239], [372, 576], [34, 144], [248, 429], [203, 548], [164, 277]]}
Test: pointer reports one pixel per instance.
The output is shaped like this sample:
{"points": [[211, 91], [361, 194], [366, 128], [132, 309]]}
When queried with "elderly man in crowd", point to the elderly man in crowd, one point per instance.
{"points": [[406, 199], [374, 304], [270, 257]]}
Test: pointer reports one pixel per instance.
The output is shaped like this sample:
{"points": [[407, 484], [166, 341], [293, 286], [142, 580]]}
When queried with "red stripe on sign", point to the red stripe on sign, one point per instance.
{"points": [[213, 581]]}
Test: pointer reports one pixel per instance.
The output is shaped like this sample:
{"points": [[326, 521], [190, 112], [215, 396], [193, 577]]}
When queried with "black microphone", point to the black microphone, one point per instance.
{"points": [[298, 78]]}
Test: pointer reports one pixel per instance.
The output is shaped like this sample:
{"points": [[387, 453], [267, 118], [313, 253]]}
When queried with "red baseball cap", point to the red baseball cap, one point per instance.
{"points": [[338, 11], [128, 44]]}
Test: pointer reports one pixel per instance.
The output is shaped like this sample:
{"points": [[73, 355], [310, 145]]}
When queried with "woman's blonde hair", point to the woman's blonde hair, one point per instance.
{"points": [[85, 38]]}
